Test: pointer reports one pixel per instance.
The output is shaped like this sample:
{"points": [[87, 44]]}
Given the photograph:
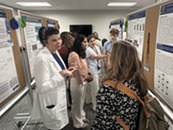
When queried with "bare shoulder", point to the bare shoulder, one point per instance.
{"points": [[73, 54]]}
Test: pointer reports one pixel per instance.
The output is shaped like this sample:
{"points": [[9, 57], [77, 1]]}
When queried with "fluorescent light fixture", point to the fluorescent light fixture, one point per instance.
{"points": [[33, 4], [121, 3]]}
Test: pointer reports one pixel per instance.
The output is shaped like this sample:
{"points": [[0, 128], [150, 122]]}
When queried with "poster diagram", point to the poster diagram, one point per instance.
{"points": [[163, 83], [32, 40], [135, 35]]}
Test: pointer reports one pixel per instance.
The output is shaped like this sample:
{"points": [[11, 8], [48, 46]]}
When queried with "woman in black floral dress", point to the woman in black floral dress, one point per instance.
{"points": [[125, 68]]}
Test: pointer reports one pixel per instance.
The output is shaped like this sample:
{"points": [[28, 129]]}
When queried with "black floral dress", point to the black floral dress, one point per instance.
{"points": [[111, 102]]}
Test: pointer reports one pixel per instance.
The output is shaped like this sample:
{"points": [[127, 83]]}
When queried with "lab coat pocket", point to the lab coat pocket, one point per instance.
{"points": [[52, 112]]}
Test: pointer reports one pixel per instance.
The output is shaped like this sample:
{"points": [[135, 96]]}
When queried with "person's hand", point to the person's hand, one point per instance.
{"points": [[105, 56], [89, 78], [68, 72], [72, 68]]}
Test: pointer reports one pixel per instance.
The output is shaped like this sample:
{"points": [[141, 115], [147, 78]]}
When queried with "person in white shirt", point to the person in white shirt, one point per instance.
{"points": [[93, 57]]}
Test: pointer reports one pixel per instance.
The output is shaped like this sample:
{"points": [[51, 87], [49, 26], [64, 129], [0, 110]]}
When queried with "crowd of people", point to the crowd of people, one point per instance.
{"points": [[70, 71]]}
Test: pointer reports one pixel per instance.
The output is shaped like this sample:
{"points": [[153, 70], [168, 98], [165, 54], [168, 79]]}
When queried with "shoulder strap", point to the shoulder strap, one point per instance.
{"points": [[121, 123], [111, 83], [133, 95], [123, 88], [129, 92]]}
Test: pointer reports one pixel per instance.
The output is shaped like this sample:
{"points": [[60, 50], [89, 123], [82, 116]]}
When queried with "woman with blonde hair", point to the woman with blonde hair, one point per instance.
{"points": [[126, 69]]}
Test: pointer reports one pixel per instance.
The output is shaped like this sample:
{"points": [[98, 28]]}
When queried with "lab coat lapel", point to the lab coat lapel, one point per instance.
{"points": [[61, 59], [52, 59]]}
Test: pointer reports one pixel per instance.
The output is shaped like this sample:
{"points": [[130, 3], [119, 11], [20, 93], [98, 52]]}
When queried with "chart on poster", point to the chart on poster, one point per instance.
{"points": [[164, 55], [136, 26]]}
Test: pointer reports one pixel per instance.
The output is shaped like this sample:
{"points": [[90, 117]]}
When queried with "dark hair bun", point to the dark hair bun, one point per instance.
{"points": [[44, 33]]}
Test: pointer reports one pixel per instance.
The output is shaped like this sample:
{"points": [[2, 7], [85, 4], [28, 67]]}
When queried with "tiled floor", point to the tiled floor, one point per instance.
{"points": [[89, 114], [7, 121]]}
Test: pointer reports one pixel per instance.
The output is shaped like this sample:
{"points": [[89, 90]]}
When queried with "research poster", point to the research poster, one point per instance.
{"points": [[135, 34], [32, 40], [163, 83], [51, 23], [9, 80]]}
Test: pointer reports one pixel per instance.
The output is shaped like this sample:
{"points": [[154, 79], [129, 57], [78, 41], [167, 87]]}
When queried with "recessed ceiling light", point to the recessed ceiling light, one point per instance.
{"points": [[33, 4], [121, 3]]}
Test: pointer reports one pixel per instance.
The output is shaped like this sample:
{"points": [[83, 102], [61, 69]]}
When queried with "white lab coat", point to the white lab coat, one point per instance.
{"points": [[50, 90]]}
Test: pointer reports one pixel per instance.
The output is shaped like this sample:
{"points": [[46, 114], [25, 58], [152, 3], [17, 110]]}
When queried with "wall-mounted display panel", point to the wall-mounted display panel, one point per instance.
{"points": [[9, 80], [12, 80], [163, 74]]}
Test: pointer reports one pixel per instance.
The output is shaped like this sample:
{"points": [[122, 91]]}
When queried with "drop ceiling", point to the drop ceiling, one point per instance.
{"points": [[78, 4]]}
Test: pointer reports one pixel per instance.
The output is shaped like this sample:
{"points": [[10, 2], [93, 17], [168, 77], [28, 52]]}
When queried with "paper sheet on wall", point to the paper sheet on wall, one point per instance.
{"points": [[32, 41], [9, 80], [3, 32], [8, 75], [163, 84], [135, 34]]}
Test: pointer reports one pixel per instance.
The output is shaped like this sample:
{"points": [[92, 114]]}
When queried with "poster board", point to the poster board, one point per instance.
{"points": [[12, 76], [149, 44], [136, 28], [163, 71], [150, 36], [31, 39], [47, 22]]}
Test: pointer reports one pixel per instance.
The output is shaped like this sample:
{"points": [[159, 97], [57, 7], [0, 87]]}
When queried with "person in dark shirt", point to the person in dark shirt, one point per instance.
{"points": [[67, 42]]}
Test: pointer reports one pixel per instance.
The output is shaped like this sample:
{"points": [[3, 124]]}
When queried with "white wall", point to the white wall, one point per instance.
{"points": [[99, 19]]}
